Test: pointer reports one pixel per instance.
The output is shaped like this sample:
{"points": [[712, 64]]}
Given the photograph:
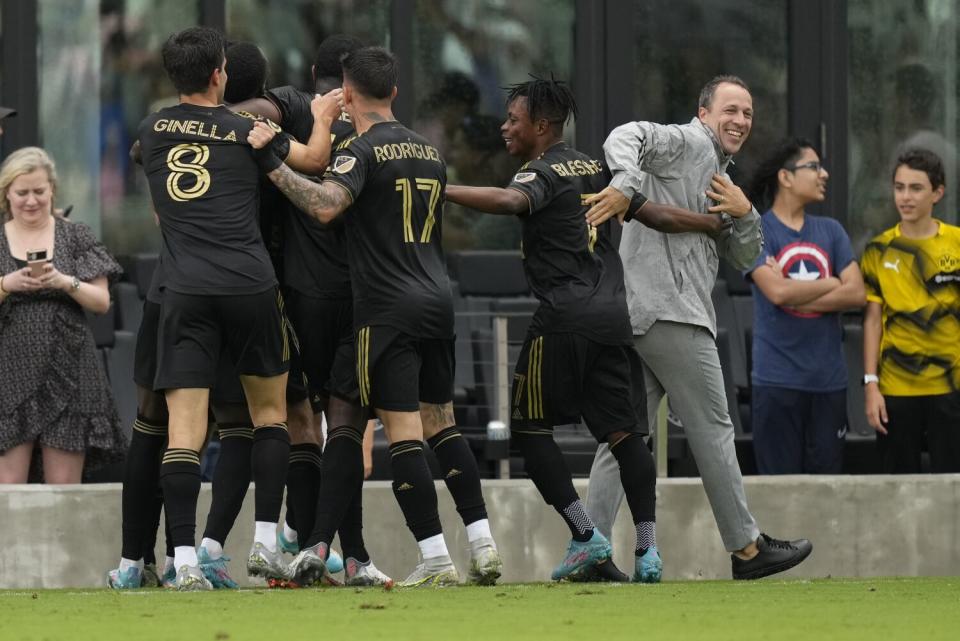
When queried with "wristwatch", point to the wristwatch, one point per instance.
{"points": [[870, 378], [74, 284]]}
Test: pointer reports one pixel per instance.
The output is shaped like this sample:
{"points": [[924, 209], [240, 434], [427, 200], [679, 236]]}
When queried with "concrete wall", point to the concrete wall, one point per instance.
{"points": [[68, 536]]}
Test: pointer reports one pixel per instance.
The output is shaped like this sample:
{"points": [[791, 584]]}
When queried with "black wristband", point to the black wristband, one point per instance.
{"points": [[638, 201], [273, 155]]}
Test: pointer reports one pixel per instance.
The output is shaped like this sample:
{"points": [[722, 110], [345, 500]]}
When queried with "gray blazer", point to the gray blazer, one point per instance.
{"points": [[670, 276]]}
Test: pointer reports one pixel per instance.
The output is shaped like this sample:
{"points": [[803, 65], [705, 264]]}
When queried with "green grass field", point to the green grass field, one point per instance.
{"points": [[927, 609]]}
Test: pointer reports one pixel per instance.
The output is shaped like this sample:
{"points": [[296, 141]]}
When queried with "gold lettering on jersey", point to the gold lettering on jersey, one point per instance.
{"points": [[404, 150], [181, 164], [577, 168], [192, 127]]}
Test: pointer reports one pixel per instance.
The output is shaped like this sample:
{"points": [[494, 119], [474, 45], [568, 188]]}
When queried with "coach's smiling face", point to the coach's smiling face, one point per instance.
{"points": [[729, 116]]}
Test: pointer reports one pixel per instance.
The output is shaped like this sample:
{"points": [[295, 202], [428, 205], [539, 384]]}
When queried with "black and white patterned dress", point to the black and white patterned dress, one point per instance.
{"points": [[53, 387]]}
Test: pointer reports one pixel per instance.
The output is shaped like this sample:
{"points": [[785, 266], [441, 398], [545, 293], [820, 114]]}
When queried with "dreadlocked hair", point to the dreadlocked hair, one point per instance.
{"points": [[549, 99]]}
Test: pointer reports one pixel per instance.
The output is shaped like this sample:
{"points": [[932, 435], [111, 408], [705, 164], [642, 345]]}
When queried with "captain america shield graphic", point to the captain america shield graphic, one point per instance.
{"points": [[803, 261]]}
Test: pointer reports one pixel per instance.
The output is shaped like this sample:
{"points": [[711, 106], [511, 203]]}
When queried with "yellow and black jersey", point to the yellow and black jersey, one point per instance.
{"points": [[205, 189], [396, 180], [573, 269], [917, 282], [314, 255]]}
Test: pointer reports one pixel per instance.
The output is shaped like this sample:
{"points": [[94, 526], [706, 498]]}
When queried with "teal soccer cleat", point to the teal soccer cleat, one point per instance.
{"points": [[216, 570], [129, 579], [583, 555], [649, 567]]}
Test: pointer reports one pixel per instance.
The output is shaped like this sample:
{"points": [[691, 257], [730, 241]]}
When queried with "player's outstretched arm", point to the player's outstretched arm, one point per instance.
{"points": [[491, 200], [675, 220], [324, 202]]}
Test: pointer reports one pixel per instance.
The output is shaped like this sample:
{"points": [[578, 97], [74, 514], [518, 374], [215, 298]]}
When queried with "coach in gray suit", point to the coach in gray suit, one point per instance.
{"points": [[669, 279]]}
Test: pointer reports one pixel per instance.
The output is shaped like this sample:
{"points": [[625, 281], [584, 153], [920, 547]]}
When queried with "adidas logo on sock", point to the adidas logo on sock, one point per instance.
{"points": [[404, 486], [453, 472]]}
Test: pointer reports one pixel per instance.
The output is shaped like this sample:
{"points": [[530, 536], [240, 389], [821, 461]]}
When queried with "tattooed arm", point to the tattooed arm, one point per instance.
{"points": [[324, 201]]}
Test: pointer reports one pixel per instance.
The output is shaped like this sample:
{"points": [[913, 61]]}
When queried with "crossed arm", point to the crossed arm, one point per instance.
{"points": [[831, 294]]}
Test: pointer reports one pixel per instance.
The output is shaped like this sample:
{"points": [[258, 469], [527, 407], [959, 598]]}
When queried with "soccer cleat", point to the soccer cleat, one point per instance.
{"points": [[191, 579], [581, 555], [289, 547], [648, 568], [365, 574], [266, 564], [438, 572], [309, 566], [169, 578], [334, 562], [603, 572], [215, 570], [773, 556], [485, 563], [129, 579], [151, 577]]}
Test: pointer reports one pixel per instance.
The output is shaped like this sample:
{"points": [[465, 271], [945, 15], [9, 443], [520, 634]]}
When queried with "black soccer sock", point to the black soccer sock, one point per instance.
{"points": [[413, 487], [351, 530], [546, 468], [180, 480], [460, 473], [168, 538], [342, 479], [303, 485], [271, 450], [231, 478], [141, 478], [638, 473]]}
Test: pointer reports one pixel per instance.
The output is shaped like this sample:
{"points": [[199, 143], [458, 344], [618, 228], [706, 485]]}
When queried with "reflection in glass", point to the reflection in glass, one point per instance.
{"points": [[113, 46], [289, 31], [902, 94], [682, 44], [466, 51]]}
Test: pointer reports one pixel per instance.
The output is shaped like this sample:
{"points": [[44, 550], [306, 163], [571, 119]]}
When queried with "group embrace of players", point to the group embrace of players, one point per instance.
{"points": [[288, 295]]}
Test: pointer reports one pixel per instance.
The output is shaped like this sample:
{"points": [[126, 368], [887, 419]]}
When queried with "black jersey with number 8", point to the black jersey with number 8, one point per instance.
{"points": [[204, 185], [396, 180]]}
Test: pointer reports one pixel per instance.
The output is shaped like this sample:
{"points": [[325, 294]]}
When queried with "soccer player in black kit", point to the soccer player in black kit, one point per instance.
{"points": [[220, 293], [577, 360], [392, 181]]}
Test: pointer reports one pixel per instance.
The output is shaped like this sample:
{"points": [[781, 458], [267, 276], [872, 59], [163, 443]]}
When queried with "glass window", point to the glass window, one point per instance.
{"points": [[902, 94], [682, 44], [100, 75], [465, 52], [289, 31]]}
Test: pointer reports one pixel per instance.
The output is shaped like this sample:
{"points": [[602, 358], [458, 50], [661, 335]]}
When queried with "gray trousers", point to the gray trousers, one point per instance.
{"points": [[682, 360]]}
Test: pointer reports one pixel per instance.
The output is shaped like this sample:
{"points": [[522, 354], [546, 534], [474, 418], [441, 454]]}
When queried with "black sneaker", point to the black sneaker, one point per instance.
{"points": [[603, 572], [774, 556]]}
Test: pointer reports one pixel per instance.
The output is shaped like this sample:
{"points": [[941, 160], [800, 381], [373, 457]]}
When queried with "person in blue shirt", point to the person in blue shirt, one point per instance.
{"points": [[805, 275]]}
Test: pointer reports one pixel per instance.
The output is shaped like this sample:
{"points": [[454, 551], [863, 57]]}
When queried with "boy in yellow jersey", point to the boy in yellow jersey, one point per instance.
{"points": [[911, 349]]}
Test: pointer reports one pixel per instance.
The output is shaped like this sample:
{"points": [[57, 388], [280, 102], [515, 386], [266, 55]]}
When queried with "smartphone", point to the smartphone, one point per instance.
{"points": [[36, 258]]}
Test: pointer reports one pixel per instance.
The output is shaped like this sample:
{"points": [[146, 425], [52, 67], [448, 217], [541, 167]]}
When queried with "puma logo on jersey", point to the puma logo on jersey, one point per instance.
{"points": [[895, 266]]}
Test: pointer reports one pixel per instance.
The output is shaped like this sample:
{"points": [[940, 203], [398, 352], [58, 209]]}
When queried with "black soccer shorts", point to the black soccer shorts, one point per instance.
{"points": [[396, 372], [560, 378], [324, 328], [195, 329]]}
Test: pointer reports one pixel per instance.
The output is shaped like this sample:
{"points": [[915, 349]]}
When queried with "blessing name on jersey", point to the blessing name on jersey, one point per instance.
{"points": [[577, 168], [194, 127], [400, 151]]}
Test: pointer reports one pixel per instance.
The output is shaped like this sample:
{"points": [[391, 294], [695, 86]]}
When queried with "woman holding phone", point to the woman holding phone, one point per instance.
{"points": [[53, 389]]}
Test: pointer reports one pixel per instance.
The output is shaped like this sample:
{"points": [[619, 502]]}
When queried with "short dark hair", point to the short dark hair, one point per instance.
{"points": [[922, 160], [246, 72], [765, 184], [191, 56], [709, 89], [550, 99], [328, 61], [373, 71]]}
